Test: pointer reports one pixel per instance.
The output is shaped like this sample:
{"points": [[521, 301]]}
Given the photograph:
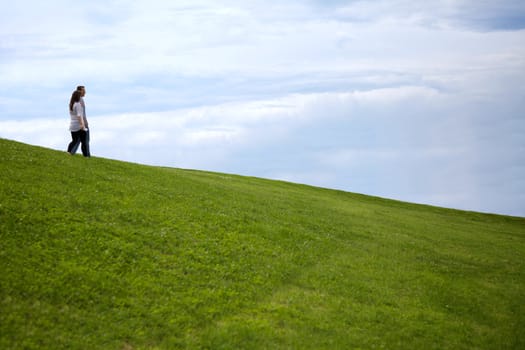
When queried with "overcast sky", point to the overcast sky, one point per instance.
{"points": [[421, 101]]}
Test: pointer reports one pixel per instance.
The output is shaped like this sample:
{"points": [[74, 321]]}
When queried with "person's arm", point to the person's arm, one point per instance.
{"points": [[81, 122], [86, 124]]}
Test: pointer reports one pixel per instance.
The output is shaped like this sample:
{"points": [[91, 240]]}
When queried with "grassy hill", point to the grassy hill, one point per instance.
{"points": [[101, 254]]}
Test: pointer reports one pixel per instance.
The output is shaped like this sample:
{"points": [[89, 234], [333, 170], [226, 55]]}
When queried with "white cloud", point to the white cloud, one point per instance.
{"points": [[418, 101], [43, 132], [375, 149], [229, 123]]}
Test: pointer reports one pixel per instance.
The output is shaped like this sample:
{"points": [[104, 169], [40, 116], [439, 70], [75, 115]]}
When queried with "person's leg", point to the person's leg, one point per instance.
{"points": [[84, 147], [73, 145], [87, 144], [74, 148]]}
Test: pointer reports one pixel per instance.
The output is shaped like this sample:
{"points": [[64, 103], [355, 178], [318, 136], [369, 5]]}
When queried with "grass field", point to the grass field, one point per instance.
{"points": [[101, 254]]}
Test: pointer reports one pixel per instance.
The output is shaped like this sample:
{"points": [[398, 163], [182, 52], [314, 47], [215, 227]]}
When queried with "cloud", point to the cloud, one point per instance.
{"points": [[403, 143], [123, 45], [43, 132], [491, 15], [415, 101], [483, 16]]}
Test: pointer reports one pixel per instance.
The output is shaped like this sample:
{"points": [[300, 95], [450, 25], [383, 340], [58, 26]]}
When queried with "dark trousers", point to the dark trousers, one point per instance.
{"points": [[81, 137], [77, 143]]}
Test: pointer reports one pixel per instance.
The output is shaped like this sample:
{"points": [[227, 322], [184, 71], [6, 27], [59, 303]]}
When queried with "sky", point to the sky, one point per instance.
{"points": [[420, 101]]}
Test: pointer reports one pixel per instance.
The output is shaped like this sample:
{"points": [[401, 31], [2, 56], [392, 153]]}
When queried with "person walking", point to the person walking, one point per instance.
{"points": [[77, 125], [82, 90]]}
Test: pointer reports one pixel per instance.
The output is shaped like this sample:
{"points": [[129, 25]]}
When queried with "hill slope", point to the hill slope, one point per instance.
{"points": [[101, 254]]}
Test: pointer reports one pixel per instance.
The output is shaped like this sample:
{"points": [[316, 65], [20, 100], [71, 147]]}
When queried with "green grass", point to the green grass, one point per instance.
{"points": [[101, 254]]}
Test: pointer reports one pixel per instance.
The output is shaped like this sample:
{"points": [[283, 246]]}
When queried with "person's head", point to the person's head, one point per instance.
{"points": [[75, 97], [82, 90]]}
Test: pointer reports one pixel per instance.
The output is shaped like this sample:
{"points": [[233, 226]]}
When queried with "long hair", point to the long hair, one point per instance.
{"points": [[75, 97]]}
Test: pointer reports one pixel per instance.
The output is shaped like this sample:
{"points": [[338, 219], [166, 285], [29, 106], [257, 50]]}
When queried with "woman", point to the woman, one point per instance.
{"points": [[77, 127]]}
